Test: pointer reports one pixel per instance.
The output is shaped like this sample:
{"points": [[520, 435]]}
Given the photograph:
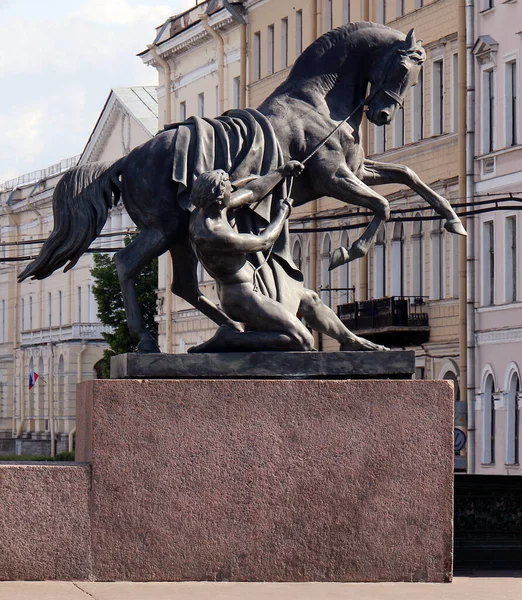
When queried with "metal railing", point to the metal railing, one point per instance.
{"points": [[393, 311], [36, 176]]}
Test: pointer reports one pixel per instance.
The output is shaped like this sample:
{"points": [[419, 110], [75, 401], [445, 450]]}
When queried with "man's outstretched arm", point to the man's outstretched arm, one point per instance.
{"points": [[258, 188]]}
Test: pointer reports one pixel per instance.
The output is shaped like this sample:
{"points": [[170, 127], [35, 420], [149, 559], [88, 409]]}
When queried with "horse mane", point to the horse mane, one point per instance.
{"points": [[327, 41]]}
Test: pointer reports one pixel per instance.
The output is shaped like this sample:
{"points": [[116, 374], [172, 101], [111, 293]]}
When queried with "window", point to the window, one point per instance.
{"points": [[344, 273], [488, 249], [417, 257], [400, 8], [217, 100], [487, 4], [49, 309], [30, 313], [328, 15], [455, 92], [488, 449], [379, 139], [488, 111], [79, 304], [398, 260], [419, 3], [511, 78], [455, 249], [22, 314], [201, 105], [60, 316], [326, 275], [236, 92], [270, 48], [346, 12], [297, 255], [380, 263], [298, 32], [418, 109], [438, 97], [511, 260], [257, 55], [381, 11], [437, 261], [284, 43], [182, 111], [2, 322], [513, 421], [89, 304], [398, 128]]}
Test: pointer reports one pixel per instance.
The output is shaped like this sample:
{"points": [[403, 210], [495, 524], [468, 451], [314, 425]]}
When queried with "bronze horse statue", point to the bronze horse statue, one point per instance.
{"points": [[326, 90]]}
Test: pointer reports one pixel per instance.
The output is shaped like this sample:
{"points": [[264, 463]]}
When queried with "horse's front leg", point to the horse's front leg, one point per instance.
{"points": [[379, 173], [345, 186]]}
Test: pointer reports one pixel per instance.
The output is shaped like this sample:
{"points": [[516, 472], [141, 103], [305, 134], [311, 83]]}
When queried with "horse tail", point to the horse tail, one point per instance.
{"points": [[81, 203]]}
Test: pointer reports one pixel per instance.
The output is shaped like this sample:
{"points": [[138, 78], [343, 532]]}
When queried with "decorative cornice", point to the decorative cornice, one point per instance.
{"points": [[501, 336], [195, 35]]}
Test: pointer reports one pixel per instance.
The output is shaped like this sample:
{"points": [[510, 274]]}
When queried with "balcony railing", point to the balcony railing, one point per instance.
{"points": [[78, 331], [396, 320]]}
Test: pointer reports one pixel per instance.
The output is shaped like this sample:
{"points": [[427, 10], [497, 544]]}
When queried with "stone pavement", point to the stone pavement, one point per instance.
{"points": [[463, 588]]}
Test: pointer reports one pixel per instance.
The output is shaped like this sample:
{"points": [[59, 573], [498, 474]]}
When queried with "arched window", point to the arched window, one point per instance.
{"points": [[297, 255], [326, 275], [344, 273], [451, 376], [380, 263], [489, 421], [437, 260], [201, 273], [398, 260], [417, 259], [513, 421], [307, 265]]}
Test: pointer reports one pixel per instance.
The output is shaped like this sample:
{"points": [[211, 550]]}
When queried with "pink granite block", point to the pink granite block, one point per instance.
{"points": [[269, 480], [44, 522]]}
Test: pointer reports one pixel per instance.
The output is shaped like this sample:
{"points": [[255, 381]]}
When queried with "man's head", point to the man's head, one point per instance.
{"points": [[210, 187]]}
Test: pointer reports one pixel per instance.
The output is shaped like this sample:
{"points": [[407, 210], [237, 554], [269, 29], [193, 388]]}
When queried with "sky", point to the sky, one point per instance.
{"points": [[59, 60]]}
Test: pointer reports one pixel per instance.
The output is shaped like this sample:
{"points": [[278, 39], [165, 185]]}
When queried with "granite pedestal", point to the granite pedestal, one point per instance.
{"points": [[264, 480]]}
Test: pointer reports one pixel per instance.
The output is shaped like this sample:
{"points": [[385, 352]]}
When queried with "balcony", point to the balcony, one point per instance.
{"points": [[394, 321], [66, 333]]}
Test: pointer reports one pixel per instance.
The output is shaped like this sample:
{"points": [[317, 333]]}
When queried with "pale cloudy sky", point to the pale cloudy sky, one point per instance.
{"points": [[58, 61]]}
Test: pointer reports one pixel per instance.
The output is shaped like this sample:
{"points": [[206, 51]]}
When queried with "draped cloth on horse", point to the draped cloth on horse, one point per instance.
{"points": [[242, 143]]}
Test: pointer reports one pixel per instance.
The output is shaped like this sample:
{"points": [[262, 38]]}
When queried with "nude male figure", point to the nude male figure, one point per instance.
{"points": [[223, 253]]}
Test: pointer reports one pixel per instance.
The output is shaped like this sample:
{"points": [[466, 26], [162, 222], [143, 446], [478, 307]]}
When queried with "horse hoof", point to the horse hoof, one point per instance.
{"points": [[148, 347], [339, 257], [455, 226]]}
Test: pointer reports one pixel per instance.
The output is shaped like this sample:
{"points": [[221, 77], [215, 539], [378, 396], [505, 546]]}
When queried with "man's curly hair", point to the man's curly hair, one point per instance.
{"points": [[208, 188]]}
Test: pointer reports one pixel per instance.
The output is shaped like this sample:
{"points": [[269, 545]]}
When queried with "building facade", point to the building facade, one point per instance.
{"points": [[51, 326], [498, 291]]}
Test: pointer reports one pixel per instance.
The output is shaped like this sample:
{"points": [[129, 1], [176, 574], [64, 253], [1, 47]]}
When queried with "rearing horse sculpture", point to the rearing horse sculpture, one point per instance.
{"points": [[326, 89]]}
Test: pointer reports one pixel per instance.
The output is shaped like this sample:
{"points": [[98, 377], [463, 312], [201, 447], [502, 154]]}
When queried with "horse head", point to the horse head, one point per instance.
{"points": [[393, 71]]}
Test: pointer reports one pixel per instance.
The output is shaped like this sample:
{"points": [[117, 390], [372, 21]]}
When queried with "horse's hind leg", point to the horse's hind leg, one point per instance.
{"points": [[185, 284], [148, 245]]}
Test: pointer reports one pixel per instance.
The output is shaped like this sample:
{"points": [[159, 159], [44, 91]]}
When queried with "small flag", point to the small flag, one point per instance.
{"points": [[33, 378]]}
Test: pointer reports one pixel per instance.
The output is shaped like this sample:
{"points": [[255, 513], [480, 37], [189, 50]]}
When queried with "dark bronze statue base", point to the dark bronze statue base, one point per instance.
{"points": [[266, 365]]}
